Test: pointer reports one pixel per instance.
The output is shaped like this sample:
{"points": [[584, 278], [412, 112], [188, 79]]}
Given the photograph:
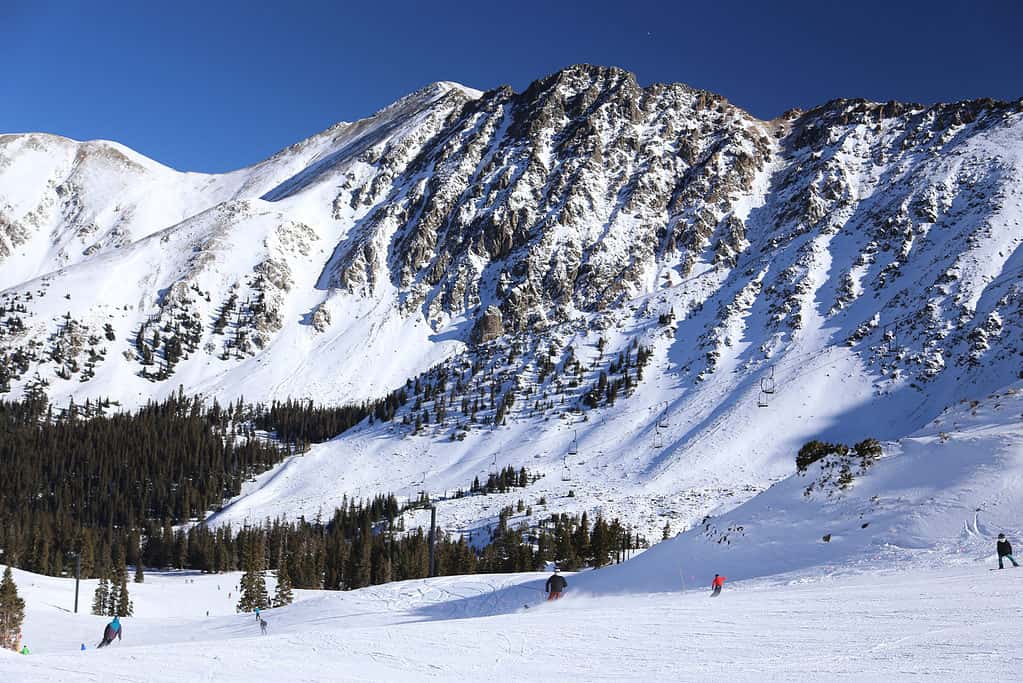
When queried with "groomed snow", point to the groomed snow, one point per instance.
{"points": [[935, 624]]}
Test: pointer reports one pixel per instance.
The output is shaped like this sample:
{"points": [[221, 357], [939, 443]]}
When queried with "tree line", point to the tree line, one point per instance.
{"points": [[120, 488]]}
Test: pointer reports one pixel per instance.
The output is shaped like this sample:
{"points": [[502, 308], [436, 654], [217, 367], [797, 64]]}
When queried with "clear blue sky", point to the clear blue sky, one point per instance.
{"points": [[216, 85]]}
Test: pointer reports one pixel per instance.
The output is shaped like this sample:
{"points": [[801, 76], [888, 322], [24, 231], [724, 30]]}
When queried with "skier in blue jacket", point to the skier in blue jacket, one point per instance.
{"points": [[113, 630]]}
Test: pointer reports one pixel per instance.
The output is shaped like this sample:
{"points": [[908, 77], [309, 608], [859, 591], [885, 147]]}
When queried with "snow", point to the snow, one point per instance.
{"points": [[946, 623], [907, 594]]}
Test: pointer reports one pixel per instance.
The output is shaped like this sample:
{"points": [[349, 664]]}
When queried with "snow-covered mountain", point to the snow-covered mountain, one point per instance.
{"points": [[658, 295]]}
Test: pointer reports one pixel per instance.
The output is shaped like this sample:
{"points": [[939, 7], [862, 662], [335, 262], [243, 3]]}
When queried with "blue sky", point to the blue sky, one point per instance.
{"points": [[213, 86]]}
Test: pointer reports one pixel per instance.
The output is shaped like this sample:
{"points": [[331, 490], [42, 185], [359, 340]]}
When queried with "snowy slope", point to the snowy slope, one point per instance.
{"points": [[861, 259], [938, 496], [949, 624], [901, 589]]}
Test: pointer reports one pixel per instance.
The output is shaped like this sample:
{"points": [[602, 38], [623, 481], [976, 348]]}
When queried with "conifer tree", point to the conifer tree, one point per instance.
{"points": [[282, 594], [100, 597], [124, 604], [118, 601], [139, 575], [12, 612], [253, 584], [112, 592]]}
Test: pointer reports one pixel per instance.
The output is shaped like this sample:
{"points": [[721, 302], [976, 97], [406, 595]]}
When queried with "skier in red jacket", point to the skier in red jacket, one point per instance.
{"points": [[717, 583]]}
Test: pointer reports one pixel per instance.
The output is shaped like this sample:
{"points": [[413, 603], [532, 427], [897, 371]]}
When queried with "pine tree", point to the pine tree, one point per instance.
{"points": [[282, 594], [112, 593], [139, 576], [253, 584], [124, 605], [120, 600], [12, 612], [99, 600]]}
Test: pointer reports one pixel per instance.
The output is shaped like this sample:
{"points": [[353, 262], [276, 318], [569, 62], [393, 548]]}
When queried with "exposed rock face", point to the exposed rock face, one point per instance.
{"points": [[566, 194], [521, 211], [490, 326]]}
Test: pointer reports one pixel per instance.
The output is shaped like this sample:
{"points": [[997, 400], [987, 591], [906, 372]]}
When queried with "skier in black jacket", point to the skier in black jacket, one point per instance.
{"points": [[556, 585], [1005, 550]]}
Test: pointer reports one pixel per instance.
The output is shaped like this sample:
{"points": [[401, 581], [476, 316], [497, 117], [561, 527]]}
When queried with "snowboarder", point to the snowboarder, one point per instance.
{"points": [[113, 630], [556, 585], [262, 626], [24, 649], [717, 583], [1005, 550], [83, 647], [257, 614]]}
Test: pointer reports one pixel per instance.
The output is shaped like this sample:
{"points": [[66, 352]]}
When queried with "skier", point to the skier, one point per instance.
{"points": [[257, 614], [113, 630], [1005, 550], [717, 583], [262, 626], [556, 585], [24, 649], [83, 647]]}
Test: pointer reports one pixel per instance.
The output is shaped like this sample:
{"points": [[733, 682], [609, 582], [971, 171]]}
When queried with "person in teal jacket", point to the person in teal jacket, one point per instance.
{"points": [[113, 630]]}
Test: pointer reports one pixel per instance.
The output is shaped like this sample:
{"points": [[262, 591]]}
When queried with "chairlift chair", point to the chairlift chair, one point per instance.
{"points": [[767, 385], [566, 472], [662, 422], [658, 441], [762, 400], [574, 448]]}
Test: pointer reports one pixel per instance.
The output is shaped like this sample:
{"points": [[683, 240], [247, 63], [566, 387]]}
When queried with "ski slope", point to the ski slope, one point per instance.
{"points": [[901, 589], [946, 624]]}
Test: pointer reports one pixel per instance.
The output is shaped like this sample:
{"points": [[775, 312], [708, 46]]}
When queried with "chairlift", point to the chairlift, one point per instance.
{"points": [[566, 472], [574, 448], [767, 385], [658, 441], [662, 422], [762, 400]]}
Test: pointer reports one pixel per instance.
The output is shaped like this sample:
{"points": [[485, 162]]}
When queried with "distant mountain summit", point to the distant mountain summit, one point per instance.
{"points": [[362, 256]]}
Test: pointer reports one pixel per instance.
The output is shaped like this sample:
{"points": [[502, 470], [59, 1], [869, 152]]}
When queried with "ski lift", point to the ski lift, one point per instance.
{"points": [[566, 472], [767, 385], [574, 448], [762, 400], [658, 441], [662, 421]]}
